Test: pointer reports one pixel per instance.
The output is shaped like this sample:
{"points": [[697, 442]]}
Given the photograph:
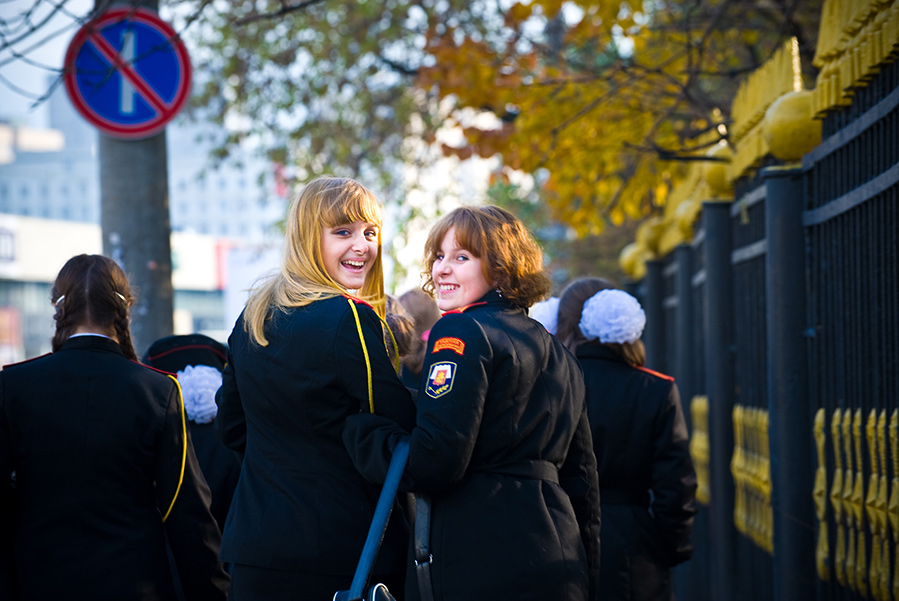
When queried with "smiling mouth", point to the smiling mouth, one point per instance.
{"points": [[354, 265], [448, 287]]}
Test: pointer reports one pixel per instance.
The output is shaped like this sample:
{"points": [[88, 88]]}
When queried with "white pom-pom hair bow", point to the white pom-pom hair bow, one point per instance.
{"points": [[612, 316]]}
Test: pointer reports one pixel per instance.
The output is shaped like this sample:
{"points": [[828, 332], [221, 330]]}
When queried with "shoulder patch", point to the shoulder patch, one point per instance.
{"points": [[440, 379], [447, 342], [656, 373]]}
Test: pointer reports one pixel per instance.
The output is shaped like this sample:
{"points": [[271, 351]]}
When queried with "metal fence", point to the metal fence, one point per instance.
{"points": [[781, 324]]}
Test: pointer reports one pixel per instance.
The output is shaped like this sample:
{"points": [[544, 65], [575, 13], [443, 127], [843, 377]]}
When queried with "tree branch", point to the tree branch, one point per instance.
{"points": [[285, 10]]}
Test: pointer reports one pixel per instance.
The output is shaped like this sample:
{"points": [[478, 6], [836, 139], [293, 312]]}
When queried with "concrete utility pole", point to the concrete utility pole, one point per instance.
{"points": [[134, 209]]}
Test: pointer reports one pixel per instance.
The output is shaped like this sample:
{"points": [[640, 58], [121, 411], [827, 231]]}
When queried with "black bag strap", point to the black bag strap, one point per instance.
{"points": [[378, 524], [421, 546]]}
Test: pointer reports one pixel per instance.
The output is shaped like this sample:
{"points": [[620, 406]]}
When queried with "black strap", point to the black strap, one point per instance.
{"points": [[421, 543], [378, 523]]}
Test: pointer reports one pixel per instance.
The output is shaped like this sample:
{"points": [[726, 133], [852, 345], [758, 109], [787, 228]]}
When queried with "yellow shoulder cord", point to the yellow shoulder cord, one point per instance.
{"points": [[183, 451], [371, 402]]}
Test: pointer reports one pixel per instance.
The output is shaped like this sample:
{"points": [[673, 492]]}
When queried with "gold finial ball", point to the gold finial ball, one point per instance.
{"points": [[789, 127], [649, 232], [632, 260], [685, 215], [716, 171]]}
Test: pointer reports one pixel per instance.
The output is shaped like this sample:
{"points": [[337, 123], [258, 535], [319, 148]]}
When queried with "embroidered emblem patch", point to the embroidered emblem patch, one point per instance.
{"points": [[453, 344], [440, 379]]}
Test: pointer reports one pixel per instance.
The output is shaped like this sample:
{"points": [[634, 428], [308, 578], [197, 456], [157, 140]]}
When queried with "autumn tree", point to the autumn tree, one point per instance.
{"points": [[608, 99]]}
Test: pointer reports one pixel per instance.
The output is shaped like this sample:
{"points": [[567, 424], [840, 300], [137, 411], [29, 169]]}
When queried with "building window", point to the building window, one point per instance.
{"points": [[7, 246]]}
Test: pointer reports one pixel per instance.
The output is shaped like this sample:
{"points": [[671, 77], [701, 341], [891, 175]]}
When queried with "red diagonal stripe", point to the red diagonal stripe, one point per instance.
{"points": [[128, 72]]}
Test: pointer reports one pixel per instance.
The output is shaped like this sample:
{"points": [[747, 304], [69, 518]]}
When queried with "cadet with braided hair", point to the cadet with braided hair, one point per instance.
{"points": [[104, 467]]}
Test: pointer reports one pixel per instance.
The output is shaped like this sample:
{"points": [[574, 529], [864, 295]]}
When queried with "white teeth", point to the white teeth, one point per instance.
{"points": [[354, 263], [447, 287]]}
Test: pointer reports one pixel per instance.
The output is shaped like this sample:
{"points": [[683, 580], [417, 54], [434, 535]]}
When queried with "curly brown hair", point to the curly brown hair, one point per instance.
{"points": [[511, 258]]}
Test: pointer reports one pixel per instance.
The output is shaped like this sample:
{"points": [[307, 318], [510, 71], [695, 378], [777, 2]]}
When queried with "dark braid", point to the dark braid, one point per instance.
{"points": [[92, 290], [123, 331]]}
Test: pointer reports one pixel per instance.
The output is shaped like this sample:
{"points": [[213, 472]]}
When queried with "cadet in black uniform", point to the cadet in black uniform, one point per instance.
{"points": [[641, 442], [501, 443], [104, 467], [297, 368], [198, 361]]}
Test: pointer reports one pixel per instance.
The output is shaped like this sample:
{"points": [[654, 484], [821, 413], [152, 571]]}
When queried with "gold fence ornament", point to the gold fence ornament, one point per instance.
{"points": [[819, 495], [880, 507], [699, 446], [766, 485], [836, 498], [848, 479], [870, 509], [858, 497], [738, 469], [893, 503]]}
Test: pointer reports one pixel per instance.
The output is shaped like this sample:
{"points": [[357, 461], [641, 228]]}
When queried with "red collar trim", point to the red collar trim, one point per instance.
{"points": [[29, 360], [358, 301], [156, 369], [465, 308], [655, 373]]}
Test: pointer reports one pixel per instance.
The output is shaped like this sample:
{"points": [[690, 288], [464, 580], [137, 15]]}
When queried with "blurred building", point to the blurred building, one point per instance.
{"points": [[50, 211]]}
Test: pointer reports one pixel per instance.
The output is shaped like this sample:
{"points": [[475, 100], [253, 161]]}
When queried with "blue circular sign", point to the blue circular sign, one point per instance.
{"points": [[128, 72]]}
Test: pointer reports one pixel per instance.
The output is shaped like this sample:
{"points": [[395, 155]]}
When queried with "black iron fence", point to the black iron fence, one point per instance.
{"points": [[780, 322]]}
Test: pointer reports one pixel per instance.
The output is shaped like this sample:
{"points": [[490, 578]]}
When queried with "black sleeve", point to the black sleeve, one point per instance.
{"points": [[184, 500], [673, 480], [389, 396], [230, 422], [449, 412], [579, 478], [7, 502]]}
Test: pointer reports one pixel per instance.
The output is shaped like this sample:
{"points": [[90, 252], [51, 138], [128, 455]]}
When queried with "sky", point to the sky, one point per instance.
{"points": [[40, 39]]}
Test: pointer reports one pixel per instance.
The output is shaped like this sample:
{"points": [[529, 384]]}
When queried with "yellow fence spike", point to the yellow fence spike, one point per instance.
{"points": [[819, 495], [836, 498]]}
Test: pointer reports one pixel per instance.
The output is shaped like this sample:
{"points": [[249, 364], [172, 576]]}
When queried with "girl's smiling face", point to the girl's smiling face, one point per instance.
{"points": [[349, 251], [458, 275]]}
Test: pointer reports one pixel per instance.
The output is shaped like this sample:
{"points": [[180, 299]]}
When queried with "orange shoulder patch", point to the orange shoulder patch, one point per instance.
{"points": [[453, 344], [656, 373]]}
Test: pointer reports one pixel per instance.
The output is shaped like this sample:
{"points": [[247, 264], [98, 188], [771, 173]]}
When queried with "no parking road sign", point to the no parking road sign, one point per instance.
{"points": [[128, 72]]}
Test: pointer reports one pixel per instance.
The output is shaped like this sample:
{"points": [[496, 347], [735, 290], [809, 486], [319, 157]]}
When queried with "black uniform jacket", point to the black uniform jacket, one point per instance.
{"points": [[503, 446], [97, 443], [220, 465], [641, 443], [300, 504]]}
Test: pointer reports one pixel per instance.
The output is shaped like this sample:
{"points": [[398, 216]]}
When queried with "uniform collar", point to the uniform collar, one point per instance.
{"points": [[491, 297], [99, 343], [597, 350]]}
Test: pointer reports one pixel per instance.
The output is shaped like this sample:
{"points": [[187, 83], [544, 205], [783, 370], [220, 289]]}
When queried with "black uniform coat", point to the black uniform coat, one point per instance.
{"points": [[300, 505], [97, 443], [641, 443], [220, 465], [501, 424]]}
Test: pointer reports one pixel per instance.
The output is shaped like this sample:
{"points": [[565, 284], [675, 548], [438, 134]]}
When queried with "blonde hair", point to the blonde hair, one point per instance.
{"points": [[511, 259], [303, 279]]}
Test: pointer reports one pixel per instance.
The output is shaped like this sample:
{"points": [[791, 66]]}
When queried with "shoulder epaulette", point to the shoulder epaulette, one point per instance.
{"points": [[656, 373], [359, 301], [464, 309], [23, 361], [156, 369]]}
